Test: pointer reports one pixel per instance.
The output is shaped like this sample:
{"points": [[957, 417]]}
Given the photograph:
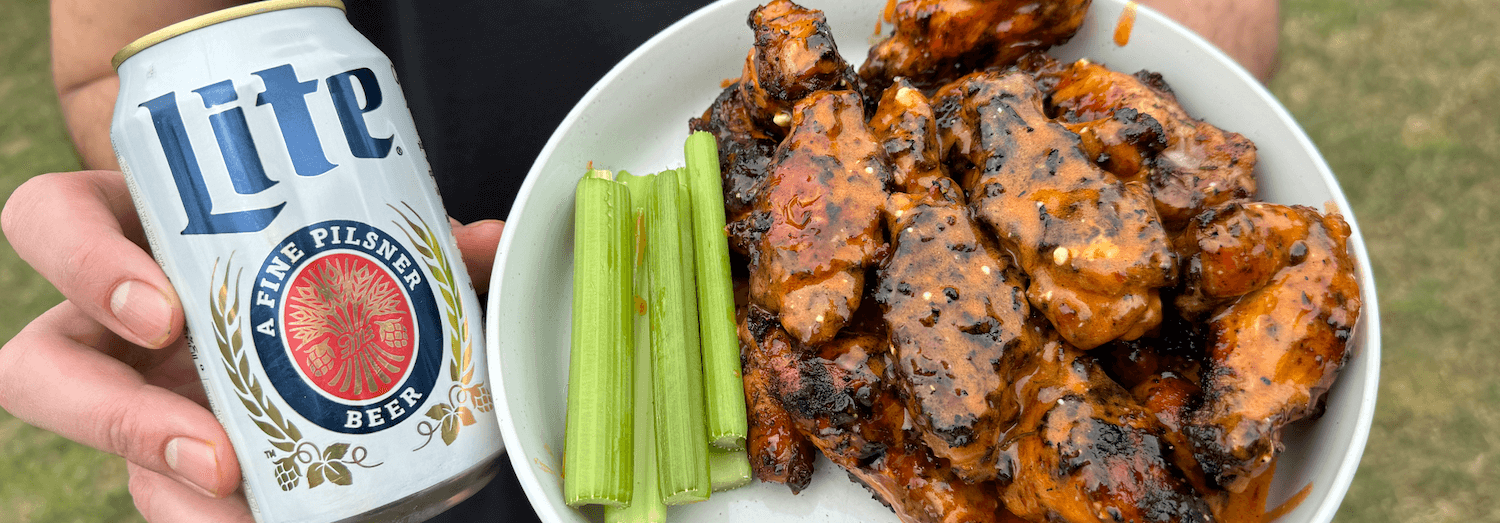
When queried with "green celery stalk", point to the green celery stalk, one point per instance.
{"points": [[728, 469], [597, 456], [723, 385], [647, 506], [681, 440]]}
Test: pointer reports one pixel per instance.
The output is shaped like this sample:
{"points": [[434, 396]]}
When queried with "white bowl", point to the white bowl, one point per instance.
{"points": [[636, 117]]}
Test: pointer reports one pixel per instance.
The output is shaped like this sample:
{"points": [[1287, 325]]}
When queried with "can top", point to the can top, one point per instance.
{"points": [[222, 15]]}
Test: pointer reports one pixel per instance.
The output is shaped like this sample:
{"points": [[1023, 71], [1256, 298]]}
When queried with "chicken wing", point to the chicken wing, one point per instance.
{"points": [[936, 41], [836, 397], [907, 129], [1276, 347], [1085, 451], [817, 220], [953, 306], [1134, 127], [794, 56], [1092, 246], [778, 452]]}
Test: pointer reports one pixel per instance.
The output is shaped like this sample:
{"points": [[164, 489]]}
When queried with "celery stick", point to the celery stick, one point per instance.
{"points": [[728, 469], [681, 439], [598, 442], [723, 385], [647, 506]]}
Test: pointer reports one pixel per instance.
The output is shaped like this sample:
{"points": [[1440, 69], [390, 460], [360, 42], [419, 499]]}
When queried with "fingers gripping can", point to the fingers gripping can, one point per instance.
{"points": [[282, 186]]}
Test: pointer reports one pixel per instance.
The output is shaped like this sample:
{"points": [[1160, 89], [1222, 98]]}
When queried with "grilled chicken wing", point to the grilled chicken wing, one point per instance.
{"points": [[1134, 127], [936, 41], [817, 220], [1278, 344], [954, 306], [1085, 451], [794, 56], [1171, 397], [837, 399], [907, 129], [778, 452], [1092, 246]]}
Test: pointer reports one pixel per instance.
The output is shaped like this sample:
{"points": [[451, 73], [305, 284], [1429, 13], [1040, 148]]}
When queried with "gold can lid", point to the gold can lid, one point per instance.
{"points": [[222, 15]]}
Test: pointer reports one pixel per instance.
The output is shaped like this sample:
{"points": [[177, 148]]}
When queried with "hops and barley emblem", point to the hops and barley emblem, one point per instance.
{"points": [[349, 326]]}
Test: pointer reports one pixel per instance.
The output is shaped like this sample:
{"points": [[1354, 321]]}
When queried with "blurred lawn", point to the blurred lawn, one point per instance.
{"points": [[1403, 98], [43, 478]]}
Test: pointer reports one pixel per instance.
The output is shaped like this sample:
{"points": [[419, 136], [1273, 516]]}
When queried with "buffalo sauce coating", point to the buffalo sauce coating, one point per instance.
{"points": [[820, 210], [953, 305], [905, 125], [1083, 450], [836, 397], [1274, 351], [1135, 126], [1092, 246], [935, 41]]}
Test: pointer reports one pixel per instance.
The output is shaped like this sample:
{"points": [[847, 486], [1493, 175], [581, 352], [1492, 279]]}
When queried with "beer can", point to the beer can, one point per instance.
{"points": [[282, 187]]}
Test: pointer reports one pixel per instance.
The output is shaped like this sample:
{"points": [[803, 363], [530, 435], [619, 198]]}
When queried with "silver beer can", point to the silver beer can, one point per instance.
{"points": [[283, 188]]}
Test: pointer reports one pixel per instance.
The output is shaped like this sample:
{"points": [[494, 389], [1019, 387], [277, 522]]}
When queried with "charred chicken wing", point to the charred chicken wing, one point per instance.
{"points": [[817, 220], [836, 396], [1092, 246], [1134, 127], [778, 452], [907, 130], [954, 306], [1277, 345], [1085, 451], [794, 56], [936, 41]]}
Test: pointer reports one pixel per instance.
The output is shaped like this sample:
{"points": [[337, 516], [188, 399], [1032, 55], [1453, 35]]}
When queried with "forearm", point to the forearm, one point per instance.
{"points": [[1246, 30], [85, 35]]}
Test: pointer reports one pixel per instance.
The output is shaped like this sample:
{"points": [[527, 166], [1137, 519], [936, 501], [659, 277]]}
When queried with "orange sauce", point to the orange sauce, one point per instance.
{"points": [[1125, 25], [1249, 506], [546, 468], [888, 15], [725, 83], [1290, 504]]}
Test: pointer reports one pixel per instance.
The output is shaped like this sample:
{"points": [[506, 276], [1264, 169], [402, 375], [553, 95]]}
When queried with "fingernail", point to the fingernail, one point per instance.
{"points": [[144, 310], [195, 463]]}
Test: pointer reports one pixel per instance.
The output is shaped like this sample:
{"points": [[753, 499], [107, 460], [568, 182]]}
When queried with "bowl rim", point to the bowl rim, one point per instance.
{"points": [[1368, 322]]}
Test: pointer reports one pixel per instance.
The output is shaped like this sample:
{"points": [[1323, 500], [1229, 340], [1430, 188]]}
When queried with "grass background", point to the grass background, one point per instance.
{"points": [[1401, 96]]}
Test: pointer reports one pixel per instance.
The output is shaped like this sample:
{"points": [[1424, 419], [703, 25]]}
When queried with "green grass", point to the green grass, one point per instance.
{"points": [[43, 478], [1403, 98]]}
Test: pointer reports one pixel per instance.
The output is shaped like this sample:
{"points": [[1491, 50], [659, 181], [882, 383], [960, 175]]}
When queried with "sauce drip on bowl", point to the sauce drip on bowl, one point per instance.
{"points": [[1125, 25], [1249, 506]]}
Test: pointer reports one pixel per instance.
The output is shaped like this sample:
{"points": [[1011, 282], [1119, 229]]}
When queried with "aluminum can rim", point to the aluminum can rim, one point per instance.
{"points": [[216, 17]]}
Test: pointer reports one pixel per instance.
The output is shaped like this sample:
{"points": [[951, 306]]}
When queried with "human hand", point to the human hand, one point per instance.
{"points": [[109, 366]]}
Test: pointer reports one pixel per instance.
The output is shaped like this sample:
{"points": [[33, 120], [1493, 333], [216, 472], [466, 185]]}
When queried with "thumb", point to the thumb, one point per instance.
{"points": [[477, 241]]}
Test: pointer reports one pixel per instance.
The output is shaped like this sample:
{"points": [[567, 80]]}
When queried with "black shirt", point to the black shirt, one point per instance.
{"points": [[487, 82]]}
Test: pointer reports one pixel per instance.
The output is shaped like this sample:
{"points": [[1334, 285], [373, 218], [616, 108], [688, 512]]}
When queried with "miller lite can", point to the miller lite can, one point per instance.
{"points": [[281, 184]]}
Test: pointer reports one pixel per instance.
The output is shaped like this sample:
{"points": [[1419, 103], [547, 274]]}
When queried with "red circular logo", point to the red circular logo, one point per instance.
{"points": [[348, 326]]}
